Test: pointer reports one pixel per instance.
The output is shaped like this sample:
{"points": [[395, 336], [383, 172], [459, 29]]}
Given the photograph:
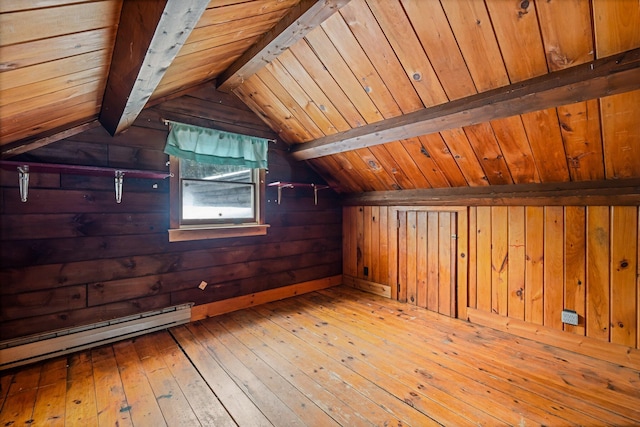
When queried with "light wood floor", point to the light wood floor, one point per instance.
{"points": [[335, 357]]}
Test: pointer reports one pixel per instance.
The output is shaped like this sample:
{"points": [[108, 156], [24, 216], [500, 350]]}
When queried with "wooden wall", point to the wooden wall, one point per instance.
{"points": [[406, 253], [72, 256], [525, 263], [533, 261]]}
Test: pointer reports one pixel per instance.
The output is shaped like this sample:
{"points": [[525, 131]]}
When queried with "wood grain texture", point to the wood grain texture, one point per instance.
{"points": [[52, 390], [411, 241], [81, 395], [438, 41], [142, 55], [110, 397], [559, 257], [515, 147], [518, 21], [620, 134], [553, 266], [516, 267], [534, 267], [484, 144], [580, 127], [575, 262], [471, 26], [100, 245], [365, 73], [566, 32], [368, 78], [618, 74], [460, 288], [433, 261], [377, 48], [421, 259], [624, 249], [299, 20], [598, 267], [622, 192], [337, 357], [499, 260], [483, 258], [614, 27], [396, 26], [402, 256], [472, 289]]}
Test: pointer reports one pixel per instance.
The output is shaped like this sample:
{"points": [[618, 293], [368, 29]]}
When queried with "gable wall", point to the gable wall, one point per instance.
{"points": [[72, 256]]}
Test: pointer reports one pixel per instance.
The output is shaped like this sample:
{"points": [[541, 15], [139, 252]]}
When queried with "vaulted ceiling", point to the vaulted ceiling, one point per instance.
{"points": [[374, 94]]}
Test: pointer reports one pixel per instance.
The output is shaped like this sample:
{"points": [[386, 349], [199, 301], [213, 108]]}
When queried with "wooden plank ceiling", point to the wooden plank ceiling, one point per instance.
{"points": [[368, 63]]}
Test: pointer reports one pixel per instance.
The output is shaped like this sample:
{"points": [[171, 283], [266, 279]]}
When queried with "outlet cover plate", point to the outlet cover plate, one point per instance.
{"points": [[570, 317]]}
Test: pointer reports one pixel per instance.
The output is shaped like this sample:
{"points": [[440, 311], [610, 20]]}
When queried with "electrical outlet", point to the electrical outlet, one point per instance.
{"points": [[570, 317]]}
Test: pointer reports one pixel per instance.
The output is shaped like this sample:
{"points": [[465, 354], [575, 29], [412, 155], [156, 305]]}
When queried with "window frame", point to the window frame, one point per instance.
{"points": [[179, 231]]}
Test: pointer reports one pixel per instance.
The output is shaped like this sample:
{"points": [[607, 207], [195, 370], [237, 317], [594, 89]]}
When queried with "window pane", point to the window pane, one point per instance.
{"points": [[192, 169], [216, 200]]}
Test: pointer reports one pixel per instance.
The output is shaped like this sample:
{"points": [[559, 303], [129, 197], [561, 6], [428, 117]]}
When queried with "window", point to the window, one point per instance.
{"points": [[217, 193], [214, 201], [217, 183]]}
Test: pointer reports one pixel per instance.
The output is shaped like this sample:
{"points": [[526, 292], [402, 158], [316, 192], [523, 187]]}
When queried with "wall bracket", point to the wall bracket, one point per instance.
{"points": [[25, 168], [280, 185], [23, 181]]}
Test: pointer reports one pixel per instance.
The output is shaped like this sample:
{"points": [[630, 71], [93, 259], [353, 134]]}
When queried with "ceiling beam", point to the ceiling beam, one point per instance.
{"points": [[150, 34], [607, 76], [297, 23], [583, 193], [25, 146]]}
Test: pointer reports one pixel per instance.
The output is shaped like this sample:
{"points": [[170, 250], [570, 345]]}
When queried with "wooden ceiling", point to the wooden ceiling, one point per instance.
{"points": [[349, 84]]}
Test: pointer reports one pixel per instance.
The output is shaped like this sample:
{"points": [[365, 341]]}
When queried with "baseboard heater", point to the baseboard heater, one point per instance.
{"points": [[33, 348]]}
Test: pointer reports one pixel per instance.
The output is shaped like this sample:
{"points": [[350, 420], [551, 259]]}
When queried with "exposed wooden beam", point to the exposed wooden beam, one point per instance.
{"points": [[584, 193], [150, 34], [25, 146], [297, 23], [607, 76]]}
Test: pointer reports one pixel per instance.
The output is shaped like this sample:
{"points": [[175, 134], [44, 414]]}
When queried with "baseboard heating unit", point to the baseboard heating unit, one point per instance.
{"points": [[33, 348]]}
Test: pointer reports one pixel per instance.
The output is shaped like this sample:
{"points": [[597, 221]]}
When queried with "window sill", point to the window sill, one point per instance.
{"points": [[202, 233]]}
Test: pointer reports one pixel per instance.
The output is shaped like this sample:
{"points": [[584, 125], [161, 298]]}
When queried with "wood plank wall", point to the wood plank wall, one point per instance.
{"points": [[72, 256], [405, 253], [531, 262], [526, 263]]}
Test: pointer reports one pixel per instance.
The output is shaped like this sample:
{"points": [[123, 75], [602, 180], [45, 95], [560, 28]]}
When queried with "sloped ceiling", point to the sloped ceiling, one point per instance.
{"points": [[352, 77]]}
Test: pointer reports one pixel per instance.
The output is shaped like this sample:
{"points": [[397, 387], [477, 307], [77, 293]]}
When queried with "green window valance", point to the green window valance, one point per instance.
{"points": [[216, 147]]}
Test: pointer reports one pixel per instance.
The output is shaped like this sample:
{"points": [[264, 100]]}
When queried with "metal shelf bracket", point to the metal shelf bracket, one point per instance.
{"points": [[25, 168], [280, 185], [23, 180], [119, 177]]}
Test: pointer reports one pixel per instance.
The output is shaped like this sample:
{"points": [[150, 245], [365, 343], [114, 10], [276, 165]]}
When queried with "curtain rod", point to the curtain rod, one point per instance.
{"points": [[167, 122]]}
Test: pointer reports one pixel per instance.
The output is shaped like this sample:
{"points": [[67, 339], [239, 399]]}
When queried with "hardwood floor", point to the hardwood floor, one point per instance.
{"points": [[333, 357]]}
